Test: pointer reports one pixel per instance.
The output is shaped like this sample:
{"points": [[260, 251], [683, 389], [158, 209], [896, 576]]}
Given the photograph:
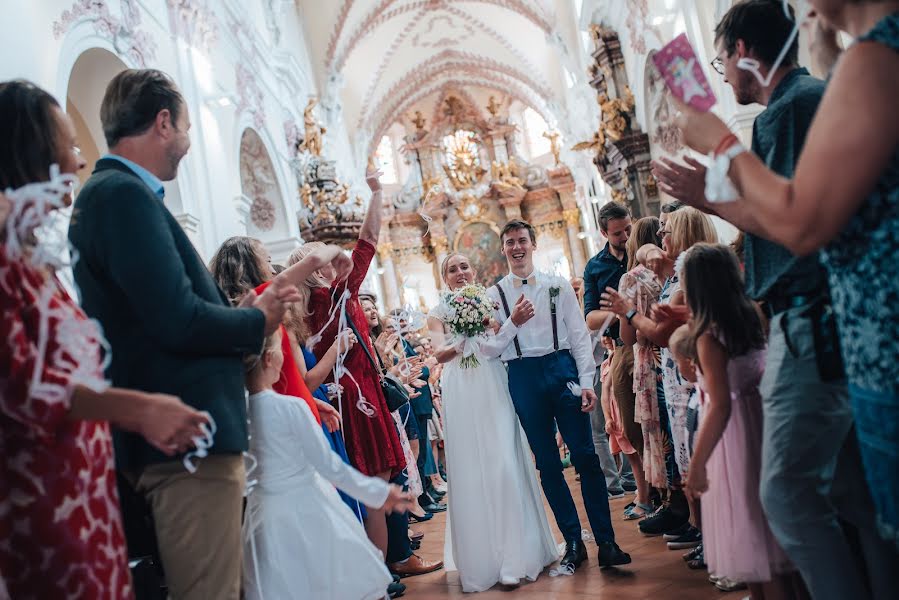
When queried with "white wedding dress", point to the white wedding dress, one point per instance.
{"points": [[496, 527], [300, 539]]}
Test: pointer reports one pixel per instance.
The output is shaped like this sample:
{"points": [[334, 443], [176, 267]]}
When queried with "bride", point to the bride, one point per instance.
{"points": [[497, 530]]}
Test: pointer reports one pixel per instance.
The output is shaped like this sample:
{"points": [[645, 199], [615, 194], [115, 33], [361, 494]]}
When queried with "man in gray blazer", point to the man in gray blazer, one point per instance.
{"points": [[171, 329]]}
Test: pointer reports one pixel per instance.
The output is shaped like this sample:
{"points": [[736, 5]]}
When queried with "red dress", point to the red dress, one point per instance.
{"points": [[60, 525], [291, 382], [372, 443]]}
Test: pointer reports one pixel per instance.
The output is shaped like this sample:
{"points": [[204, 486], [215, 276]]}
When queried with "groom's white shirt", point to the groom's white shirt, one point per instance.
{"points": [[536, 336]]}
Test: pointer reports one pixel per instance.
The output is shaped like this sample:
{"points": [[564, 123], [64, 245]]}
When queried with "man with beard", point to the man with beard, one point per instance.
{"points": [[811, 468], [171, 330]]}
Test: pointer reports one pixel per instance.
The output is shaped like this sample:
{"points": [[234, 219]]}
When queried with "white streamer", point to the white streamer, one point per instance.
{"points": [[202, 444], [421, 212], [339, 312], [803, 10], [567, 570], [718, 186], [575, 388], [35, 233]]}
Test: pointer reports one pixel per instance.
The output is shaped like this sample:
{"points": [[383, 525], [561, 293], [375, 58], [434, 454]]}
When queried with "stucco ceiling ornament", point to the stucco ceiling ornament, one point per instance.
{"points": [[123, 31]]}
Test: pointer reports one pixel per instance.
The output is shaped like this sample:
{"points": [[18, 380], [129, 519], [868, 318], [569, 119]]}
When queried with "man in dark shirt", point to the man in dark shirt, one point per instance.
{"points": [[602, 271], [807, 417]]}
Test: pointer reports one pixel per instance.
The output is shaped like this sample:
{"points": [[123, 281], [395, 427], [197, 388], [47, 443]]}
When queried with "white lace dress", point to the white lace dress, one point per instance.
{"points": [[496, 529]]}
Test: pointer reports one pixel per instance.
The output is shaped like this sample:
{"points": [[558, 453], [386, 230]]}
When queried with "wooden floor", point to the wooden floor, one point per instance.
{"points": [[655, 572]]}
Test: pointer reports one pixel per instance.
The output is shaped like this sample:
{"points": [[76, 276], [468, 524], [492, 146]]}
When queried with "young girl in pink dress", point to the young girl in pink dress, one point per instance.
{"points": [[726, 463]]}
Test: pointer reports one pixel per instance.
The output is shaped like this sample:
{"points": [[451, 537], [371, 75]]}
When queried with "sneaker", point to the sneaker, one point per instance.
{"points": [[616, 494], [663, 521], [728, 585], [690, 539], [673, 535]]}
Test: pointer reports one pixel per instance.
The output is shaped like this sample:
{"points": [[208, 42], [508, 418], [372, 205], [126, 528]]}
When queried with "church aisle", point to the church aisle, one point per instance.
{"points": [[656, 572]]}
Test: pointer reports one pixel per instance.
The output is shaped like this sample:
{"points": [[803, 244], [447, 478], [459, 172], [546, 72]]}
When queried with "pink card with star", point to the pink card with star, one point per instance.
{"points": [[683, 74]]}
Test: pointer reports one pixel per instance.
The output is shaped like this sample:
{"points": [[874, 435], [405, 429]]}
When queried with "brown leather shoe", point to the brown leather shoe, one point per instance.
{"points": [[415, 565]]}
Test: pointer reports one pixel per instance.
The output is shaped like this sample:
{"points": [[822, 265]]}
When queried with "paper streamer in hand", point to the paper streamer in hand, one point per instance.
{"points": [[203, 444], [753, 66]]}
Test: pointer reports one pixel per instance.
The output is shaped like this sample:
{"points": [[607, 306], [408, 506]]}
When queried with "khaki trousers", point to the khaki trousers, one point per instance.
{"points": [[622, 372], [197, 520]]}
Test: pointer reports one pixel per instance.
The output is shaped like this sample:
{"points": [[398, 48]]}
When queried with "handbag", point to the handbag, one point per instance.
{"points": [[394, 391]]}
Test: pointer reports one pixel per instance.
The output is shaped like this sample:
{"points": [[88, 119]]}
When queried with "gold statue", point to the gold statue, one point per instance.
{"points": [[553, 137], [614, 124], [306, 194], [620, 196], [596, 145], [419, 121], [504, 175], [493, 106], [312, 142]]}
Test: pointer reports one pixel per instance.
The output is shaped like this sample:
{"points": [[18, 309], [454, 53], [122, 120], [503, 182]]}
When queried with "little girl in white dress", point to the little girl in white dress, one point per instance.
{"points": [[300, 539]]}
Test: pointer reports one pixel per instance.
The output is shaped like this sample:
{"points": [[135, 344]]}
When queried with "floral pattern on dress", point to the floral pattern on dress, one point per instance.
{"points": [[677, 390], [60, 527], [641, 286]]}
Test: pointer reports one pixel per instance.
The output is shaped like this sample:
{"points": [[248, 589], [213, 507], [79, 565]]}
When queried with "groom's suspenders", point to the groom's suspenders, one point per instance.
{"points": [[502, 296], [552, 312]]}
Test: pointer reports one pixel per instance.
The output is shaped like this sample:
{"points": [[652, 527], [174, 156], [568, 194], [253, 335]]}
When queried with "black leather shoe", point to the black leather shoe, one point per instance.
{"points": [[432, 507], [396, 589], [414, 519], [575, 554], [611, 555]]}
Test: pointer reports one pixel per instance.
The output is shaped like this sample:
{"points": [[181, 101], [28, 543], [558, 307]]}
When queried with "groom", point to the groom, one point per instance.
{"points": [[551, 370]]}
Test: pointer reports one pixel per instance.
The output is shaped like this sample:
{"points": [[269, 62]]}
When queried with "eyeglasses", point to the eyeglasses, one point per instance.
{"points": [[718, 64]]}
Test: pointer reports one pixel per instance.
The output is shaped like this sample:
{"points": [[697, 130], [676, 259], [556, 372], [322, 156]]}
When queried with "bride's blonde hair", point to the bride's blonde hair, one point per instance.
{"points": [[445, 264]]}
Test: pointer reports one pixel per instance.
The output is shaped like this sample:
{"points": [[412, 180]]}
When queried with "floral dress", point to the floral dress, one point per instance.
{"points": [[677, 391], [641, 286], [60, 527]]}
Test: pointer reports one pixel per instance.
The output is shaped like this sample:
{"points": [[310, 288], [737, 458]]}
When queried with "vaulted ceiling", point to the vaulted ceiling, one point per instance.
{"points": [[389, 58]]}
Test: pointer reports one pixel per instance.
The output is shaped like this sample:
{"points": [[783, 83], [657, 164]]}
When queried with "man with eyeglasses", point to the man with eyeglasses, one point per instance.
{"points": [[811, 470]]}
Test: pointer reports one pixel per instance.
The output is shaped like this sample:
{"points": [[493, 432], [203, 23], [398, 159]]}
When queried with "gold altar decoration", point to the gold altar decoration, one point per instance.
{"points": [[597, 145], [312, 140], [505, 175], [572, 216], [650, 186], [614, 122], [463, 167], [470, 207]]}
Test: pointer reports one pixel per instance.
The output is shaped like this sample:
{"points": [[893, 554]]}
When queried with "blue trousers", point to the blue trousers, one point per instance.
{"points": [[541, 397]]}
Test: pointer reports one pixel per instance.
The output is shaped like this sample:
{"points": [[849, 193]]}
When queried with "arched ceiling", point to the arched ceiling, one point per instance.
{"points": [[394, 57]]}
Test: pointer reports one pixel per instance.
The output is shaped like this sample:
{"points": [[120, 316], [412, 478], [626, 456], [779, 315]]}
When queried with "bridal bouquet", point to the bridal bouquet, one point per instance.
{"points": [[469, 313]]}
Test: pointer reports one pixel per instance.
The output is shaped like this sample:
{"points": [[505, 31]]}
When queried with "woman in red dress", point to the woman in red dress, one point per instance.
{"points": [[60, 527], [372, 442]]}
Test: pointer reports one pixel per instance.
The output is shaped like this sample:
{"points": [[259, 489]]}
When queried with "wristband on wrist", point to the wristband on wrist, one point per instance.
{"points": [[726, 142]]}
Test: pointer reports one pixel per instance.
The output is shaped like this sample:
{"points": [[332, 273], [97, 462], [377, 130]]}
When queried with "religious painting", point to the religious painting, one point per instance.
{"points": [[480, 242]]}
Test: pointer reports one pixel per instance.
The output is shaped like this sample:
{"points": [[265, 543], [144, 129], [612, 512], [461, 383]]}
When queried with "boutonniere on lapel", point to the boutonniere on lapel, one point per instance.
{"points": [[553, 297]]}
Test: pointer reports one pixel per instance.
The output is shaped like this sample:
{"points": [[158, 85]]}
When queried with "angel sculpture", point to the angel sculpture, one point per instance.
{"points": [[596, 145]]}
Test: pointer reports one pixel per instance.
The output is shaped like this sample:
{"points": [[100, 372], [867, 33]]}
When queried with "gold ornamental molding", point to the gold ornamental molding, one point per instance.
{"points": [[572, 216]]}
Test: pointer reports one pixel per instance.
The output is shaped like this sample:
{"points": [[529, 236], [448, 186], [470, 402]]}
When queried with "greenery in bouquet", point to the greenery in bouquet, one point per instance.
{"points": [[470, 311]]}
